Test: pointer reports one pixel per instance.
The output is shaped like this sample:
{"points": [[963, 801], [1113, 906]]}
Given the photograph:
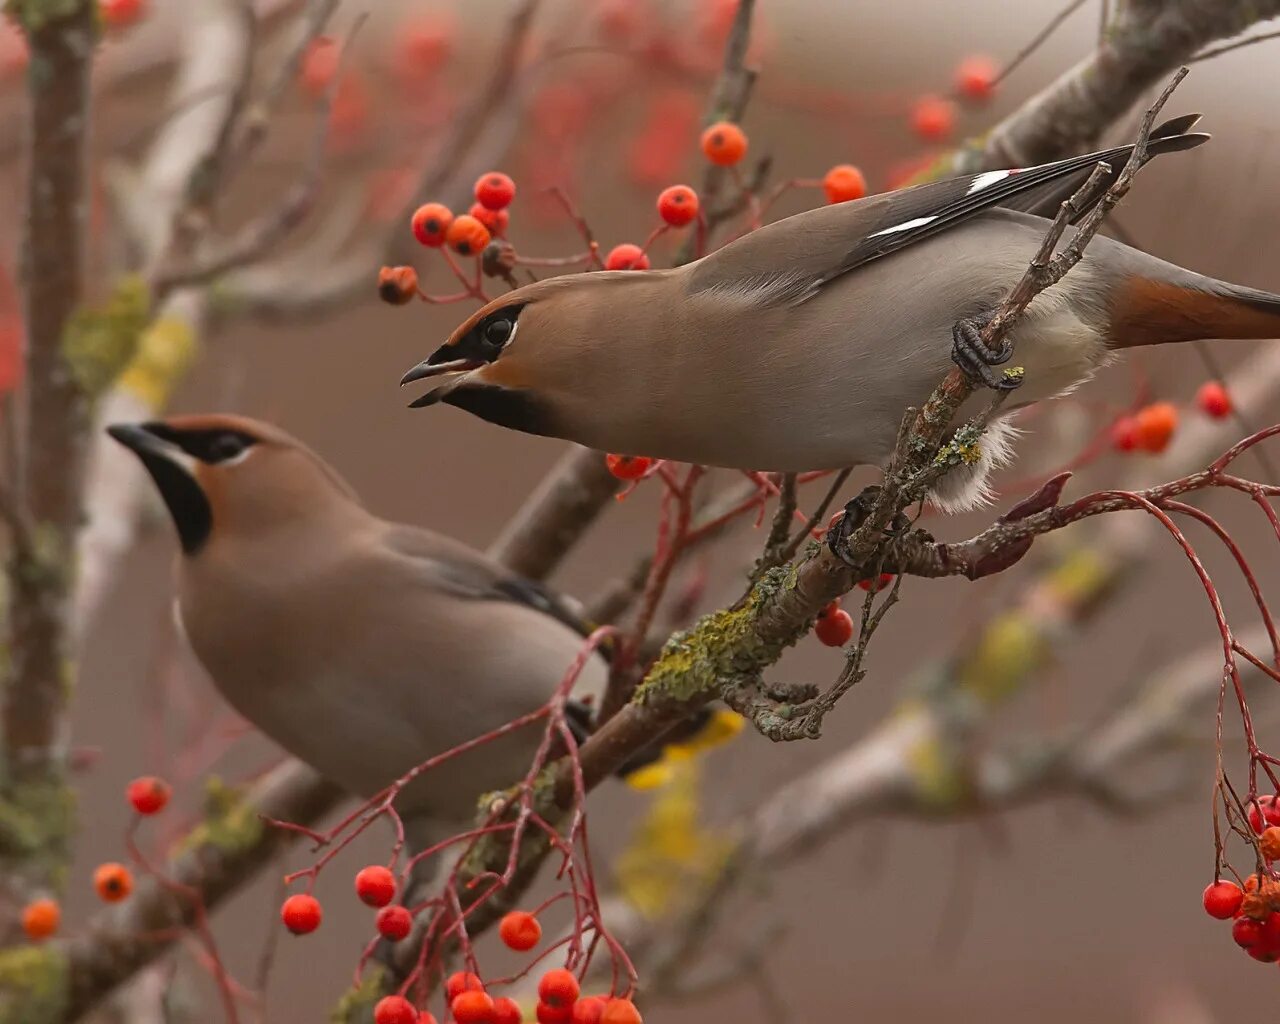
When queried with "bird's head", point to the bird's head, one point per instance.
{"points": [[231, 473], [508, 361]]}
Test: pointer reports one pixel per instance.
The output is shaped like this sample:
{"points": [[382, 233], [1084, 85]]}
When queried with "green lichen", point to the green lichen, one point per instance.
{"points": [[229, 824], [938, 775], [33, 984], [47, 564], [37, 818], [99, 343], [720, 647], [356, 1004]]}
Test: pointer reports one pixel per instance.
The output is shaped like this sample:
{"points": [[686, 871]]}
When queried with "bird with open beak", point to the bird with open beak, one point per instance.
{"points": [[800, 345], [362, 647]]}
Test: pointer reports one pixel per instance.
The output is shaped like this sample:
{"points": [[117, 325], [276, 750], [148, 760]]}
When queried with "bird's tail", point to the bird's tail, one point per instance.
{"points": [[1150, 311]]}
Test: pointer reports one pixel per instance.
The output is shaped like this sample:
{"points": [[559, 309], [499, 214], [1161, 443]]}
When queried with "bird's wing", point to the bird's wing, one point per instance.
{"points": [[466, 574], [788, 262]]}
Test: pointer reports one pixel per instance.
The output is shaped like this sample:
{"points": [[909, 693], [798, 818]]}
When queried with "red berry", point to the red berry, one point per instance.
{"points": [[495, 221], [467, 236], [472, 1008], [628, 467], [626, 256], [1246, 932], [426, 1017], [885, 579], [520, 931], [431, 223], [933, 118], [1156, 424], [558, 987], [495, 190], [1222, 900], [976, 78], [678, 205], [620, 1011], [588, 1010], [397, 285], [1269, 843], [843, 183], [120, 13], [393, 923], [375, 885], [148, 794], [724, 143], [394, 1010], [1214, 400], [112, 882], [319, 65], [506, 1011], [545, 1013], [1124, 434], [40, 919], [1264, 953], [1270, 811], [301, 914], [462, 981], [834, 626]]}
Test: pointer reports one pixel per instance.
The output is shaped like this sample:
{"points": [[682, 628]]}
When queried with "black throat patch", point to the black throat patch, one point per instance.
{"points": [[513, 408]]}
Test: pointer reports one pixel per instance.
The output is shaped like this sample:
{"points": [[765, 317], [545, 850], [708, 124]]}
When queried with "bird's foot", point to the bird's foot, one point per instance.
{"points": [[976, 360], [855, 514]]}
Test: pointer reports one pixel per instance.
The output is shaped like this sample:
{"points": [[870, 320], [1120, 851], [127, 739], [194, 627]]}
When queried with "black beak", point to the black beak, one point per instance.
{"points": [[433, 368], [181, 492]]}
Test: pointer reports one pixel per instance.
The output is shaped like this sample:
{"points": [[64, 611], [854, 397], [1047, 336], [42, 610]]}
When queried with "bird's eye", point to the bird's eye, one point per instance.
{"points": [[497, 332], [226, 446]]}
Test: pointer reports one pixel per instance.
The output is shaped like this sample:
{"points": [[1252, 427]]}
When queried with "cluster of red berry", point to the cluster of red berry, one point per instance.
{"points": [[1254, 910], [1152, 427], [112, 881]]}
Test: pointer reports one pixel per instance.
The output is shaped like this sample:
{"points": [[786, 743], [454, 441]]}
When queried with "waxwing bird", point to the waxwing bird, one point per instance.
{"points": [[361, 646], [800, 345]]}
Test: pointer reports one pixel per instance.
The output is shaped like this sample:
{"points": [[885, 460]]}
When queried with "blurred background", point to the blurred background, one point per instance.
{"points": [[1061, 910]]}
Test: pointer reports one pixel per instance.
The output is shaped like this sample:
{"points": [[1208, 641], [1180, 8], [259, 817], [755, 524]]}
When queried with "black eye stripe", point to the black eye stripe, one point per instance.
{"points": [[210, 446]]}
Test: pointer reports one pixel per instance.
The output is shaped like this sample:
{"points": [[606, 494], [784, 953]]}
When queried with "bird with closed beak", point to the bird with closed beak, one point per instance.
{"points": [[801, 345], [361, 646]]}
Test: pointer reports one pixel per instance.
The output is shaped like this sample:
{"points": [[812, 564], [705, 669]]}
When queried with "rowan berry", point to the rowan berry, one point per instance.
{"points": [[843, 183], [431, 223], [467, 236], [724, 143], [1155, 426], [474, 1007], [933, 118], [620, 1011], [397, 285], [976, 78], [301, 913], [461, 981], [520, 931], [1222, 900], [678, 205], [626, 256], [834, 626], [393, 923], [112, 882], [628, 467], [375, 885], [558, 987], [495, 190], [1214, 400], [148, 794], [394, 1010], [40, 919]]}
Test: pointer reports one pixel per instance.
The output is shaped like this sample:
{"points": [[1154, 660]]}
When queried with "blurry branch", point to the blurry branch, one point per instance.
{"points": [[49, 433], [1218, 51], [1145, 42]]}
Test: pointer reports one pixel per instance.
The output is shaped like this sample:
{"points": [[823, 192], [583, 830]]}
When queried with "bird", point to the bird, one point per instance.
{"points": [[362, 647], [801, 345]]}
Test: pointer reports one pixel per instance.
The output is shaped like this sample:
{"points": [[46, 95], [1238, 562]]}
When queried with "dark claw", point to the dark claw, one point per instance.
{"points": [[855, 514], [969, 352]]}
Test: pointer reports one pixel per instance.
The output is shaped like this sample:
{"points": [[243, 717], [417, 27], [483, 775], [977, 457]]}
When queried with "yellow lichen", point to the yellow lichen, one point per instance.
{"points": [[99, 343], [33, 984], [229, 824], [1010, 648], [164, 352]]}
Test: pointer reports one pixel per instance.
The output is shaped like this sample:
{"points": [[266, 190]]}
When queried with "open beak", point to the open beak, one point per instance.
{"points": [[456, 368]]}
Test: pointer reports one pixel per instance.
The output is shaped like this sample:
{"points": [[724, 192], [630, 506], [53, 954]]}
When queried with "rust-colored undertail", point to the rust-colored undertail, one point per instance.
{"points": [[1150, 312]]}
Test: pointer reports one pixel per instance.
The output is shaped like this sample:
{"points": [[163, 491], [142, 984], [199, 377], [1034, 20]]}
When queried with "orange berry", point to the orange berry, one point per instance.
{"points": [[588, 1010], [933, 118], [112, 882], [628, 467], [495, 221], [472, 1008], [1155, 426], [301, 913], [121, 13], [976, 78], [506, 1011], [459, 982], [1214, 400], [1269, 844], [495, 190], [843, 183], [626, 256], [393, 923], [1124, 434], [520, 931], [394, 1010], [430, 224], [620, 1011], [545, 1013], [375, 885], [678, 205], [148, 794], [397, 285], [40, 919], [467, 236], [834, 626], [558, 987], [319, 65], [724, 143]]}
